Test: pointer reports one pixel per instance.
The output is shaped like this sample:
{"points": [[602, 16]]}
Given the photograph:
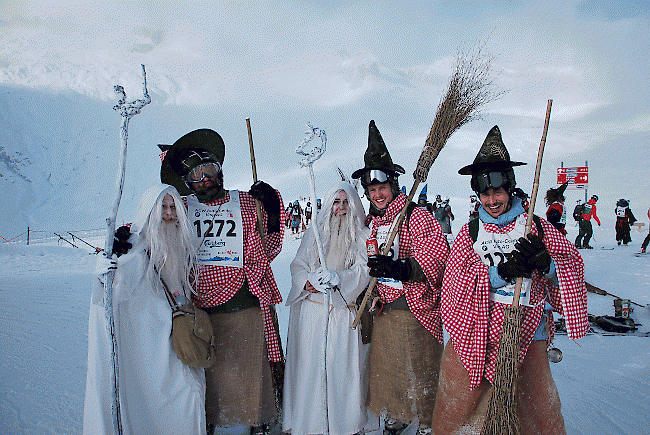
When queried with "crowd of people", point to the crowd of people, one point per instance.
{"points": [[393, 372]]}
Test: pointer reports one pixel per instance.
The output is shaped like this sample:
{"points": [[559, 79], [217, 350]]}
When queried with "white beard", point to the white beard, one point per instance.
{"points": [[169, 258], [338, 245]]}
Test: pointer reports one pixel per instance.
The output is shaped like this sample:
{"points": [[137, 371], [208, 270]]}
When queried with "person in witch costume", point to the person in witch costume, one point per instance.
{"points": [[234, 283], [556, 212], [488, 255], [407, 334]]}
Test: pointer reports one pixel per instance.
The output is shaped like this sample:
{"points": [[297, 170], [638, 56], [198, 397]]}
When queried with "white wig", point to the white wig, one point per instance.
{"points": [[353, 221], [152, 238]]}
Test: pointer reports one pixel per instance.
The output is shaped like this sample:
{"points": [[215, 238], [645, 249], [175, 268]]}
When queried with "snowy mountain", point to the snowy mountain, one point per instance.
{"points": [[58, 150]]}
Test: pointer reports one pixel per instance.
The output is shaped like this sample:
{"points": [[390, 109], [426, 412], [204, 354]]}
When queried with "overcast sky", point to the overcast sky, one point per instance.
{"points": [[349, 62]]}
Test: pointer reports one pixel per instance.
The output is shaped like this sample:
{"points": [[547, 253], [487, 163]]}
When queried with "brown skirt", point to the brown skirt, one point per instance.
{"points": [[404, 366], [239, 385]]}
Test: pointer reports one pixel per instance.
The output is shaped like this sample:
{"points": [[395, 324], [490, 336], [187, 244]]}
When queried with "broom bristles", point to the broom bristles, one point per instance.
{"points": [[469, 88], [502, 418]]}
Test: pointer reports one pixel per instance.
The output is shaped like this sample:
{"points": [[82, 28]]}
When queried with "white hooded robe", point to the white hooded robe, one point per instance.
{"points": [[346, 383], [158, 393]]}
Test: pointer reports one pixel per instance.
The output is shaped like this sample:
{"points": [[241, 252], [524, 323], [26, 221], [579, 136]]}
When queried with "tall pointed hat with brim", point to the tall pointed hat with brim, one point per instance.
{"points": [[377, 156], [178, 158], [493, 156]]}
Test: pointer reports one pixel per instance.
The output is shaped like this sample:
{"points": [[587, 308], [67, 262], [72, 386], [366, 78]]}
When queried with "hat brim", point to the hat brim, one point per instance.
{"points": [[205, 139], [476, 168]]}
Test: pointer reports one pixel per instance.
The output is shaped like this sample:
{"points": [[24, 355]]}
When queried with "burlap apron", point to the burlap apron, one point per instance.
{"points": [[404, 366], [239, 385]]}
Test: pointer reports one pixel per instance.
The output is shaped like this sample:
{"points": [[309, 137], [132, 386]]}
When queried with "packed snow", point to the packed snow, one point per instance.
{"points": [[603, 380]]}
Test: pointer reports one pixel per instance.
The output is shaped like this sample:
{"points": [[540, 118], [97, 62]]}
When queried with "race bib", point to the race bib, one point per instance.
{"points": [[218, 231], [382, 237], [494, 248], [620, 211]]}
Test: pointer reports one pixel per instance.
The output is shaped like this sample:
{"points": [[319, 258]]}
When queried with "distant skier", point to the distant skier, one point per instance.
{"points": [[644, 245], [586, 230], [624, 218], [296, 217], [288, 212], [443, 214], [422, 200], [308, 210], [474, 205], [556, 213]]}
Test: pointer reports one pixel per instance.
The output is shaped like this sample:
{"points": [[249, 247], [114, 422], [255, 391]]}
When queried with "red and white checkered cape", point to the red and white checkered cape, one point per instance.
{"points": [[420, 237], [475, 323], [217, 284]]}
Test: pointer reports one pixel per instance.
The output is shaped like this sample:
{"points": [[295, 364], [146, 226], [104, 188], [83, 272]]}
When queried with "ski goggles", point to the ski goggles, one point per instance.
{"points": [[203, 171], [490, 179], [375, 176]]}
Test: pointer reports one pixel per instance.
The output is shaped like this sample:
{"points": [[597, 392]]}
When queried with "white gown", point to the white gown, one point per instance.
{"points": [[158, 393], [347, 383]]}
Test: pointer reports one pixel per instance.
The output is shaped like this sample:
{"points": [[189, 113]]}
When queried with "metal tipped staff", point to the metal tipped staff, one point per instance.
{"points": [[468, 90], [127, 110], [308, 161], [258, 206], [502, 418]]}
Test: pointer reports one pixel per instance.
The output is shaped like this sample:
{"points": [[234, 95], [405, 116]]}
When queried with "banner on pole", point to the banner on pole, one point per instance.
{"points": [[578, 177]]}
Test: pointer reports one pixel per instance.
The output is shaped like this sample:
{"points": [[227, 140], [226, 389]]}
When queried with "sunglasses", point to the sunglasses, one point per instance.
{"points": [[375, 176], [203, 171], [490, 179]]}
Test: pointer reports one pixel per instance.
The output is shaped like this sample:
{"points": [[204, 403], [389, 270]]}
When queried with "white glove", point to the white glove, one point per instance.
{"points": [[328, 278], [312, 277], [104, 265]]}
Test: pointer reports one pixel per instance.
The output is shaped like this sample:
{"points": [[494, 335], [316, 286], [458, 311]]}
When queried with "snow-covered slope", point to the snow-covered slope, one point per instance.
{"points": [[604, 381]]}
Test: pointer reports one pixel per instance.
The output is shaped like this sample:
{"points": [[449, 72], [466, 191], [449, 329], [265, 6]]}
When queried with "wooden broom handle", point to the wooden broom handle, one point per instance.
{"points": [[258, 206], [533, 196]]}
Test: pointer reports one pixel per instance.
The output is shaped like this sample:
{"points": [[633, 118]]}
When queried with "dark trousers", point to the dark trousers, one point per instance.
{"points": [[646, 241], [584, 234]]}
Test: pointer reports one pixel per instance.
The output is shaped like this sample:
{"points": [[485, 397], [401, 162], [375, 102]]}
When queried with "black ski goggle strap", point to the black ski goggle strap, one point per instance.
{"points": [[374, 176], [203, 171], [490, 179]]}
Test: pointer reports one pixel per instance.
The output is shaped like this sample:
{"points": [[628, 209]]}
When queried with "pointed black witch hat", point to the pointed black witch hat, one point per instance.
{"points": [[376, 155], [493, 156]]}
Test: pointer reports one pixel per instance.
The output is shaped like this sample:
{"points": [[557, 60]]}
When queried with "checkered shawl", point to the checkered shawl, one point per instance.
{"points": [[475, 323], [215, 285], [420, 237]]}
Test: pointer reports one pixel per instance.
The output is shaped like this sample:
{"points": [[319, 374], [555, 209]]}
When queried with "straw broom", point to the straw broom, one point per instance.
{"points": [[470, 88], [502, 418]]}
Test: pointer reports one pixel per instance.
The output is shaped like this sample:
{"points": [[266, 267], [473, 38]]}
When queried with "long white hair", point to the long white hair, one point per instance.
{"points": [[171, 247], [350, 225]]}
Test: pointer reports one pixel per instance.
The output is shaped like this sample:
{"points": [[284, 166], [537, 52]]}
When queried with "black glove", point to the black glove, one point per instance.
{"points": [[382, 266], [514, 267], [121, 243], [534, 253], [264, 193]]}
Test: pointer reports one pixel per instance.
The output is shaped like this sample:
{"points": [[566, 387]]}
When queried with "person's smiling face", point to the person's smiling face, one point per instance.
{"points": [[495, 201], [380, 194]]}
